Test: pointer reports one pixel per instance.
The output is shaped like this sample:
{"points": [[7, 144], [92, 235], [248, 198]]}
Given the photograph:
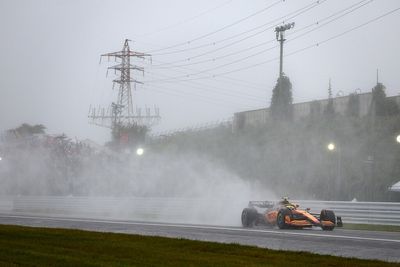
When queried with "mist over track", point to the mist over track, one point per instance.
{"points": [[208, 220], [348, 243]]}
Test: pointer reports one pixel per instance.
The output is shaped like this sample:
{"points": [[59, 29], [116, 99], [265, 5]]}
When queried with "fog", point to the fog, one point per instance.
{"points": [[50, 75], [205, 176], [175, 186]]}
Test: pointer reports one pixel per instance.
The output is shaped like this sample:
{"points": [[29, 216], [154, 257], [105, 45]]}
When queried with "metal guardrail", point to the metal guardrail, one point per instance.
{"points": [[187, 210], [385, 213]]}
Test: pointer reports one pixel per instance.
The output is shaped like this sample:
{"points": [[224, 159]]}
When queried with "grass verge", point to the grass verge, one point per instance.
{"points": [[26, 246], [371, 227]]}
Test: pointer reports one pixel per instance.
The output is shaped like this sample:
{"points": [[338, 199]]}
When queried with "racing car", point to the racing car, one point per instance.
{"points": [[285, 214]]}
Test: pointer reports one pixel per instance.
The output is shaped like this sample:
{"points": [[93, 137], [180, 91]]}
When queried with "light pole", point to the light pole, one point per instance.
{"points": [[333, 147], [398, 139], [280, 37]]}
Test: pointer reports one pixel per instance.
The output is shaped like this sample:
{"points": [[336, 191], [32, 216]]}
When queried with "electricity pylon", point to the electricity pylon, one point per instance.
{"points": [[121, 113]]}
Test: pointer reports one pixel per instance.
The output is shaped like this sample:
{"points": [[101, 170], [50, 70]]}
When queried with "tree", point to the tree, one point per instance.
{"points": [[353, 106], [281, 102], [378, 100], [382, 105], [26, 129]]}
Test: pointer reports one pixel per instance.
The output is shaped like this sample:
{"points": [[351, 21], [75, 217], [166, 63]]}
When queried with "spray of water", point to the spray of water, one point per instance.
{"points": [[183, 187]]}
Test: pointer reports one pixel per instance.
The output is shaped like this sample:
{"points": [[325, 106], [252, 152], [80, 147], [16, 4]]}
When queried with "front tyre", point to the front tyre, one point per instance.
{"points": [[327, 215], [280, 219]]}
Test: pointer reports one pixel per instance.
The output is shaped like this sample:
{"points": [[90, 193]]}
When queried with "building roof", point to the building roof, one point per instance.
{"points": [[306, 102]]}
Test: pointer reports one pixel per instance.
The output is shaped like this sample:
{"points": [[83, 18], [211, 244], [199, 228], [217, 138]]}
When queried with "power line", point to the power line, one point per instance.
{"points": [[271, 48], [225, 46], [292, 53], [288, 16], [359, 26], [350, 8], [219, 90], [332, 20], [232, 80], [212, 100], [221, 29], [317, 44], [188, 19], [221, 57]]}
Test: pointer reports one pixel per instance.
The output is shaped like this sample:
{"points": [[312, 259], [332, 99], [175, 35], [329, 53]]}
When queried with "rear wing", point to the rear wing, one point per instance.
{"points": [[261, 204]]}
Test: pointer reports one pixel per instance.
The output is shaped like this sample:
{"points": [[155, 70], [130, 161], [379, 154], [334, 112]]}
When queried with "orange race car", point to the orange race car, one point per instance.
{"points": [[286, 215]]}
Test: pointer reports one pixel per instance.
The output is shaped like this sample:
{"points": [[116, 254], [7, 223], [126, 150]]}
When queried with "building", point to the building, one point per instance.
{"points": [[251, 118]]}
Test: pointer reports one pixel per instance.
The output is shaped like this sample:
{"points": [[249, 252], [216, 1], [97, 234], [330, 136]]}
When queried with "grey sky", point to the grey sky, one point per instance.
{"points": [[50, 70]]}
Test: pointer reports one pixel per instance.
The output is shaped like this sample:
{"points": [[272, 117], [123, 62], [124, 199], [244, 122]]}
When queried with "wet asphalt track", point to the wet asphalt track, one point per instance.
{"points": [[340, 242]]}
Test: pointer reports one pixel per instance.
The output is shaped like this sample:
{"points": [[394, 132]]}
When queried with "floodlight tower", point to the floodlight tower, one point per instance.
{"points": [[121, 113], [280, 37]]}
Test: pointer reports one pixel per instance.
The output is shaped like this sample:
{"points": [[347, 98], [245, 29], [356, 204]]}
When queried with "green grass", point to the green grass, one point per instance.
{"points": [[371, 227], [26, 246]]}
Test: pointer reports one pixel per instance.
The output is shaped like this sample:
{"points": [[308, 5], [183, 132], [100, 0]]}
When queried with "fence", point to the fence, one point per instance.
{"points": [[387, 213], [187, 210], [193, 129]]}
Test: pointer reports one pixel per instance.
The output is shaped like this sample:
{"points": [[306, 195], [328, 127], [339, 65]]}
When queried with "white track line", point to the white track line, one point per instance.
{"points": [[202, 227]]}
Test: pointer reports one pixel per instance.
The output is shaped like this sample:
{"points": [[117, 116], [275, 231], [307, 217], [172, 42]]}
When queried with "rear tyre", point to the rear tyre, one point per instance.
{"points": [[328, 215], [280, 218], [249, 217]]}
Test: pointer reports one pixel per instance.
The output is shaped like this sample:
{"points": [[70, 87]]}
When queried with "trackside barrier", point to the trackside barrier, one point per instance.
{"points": [[6, 204], [187, 210], [385, 213]]}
